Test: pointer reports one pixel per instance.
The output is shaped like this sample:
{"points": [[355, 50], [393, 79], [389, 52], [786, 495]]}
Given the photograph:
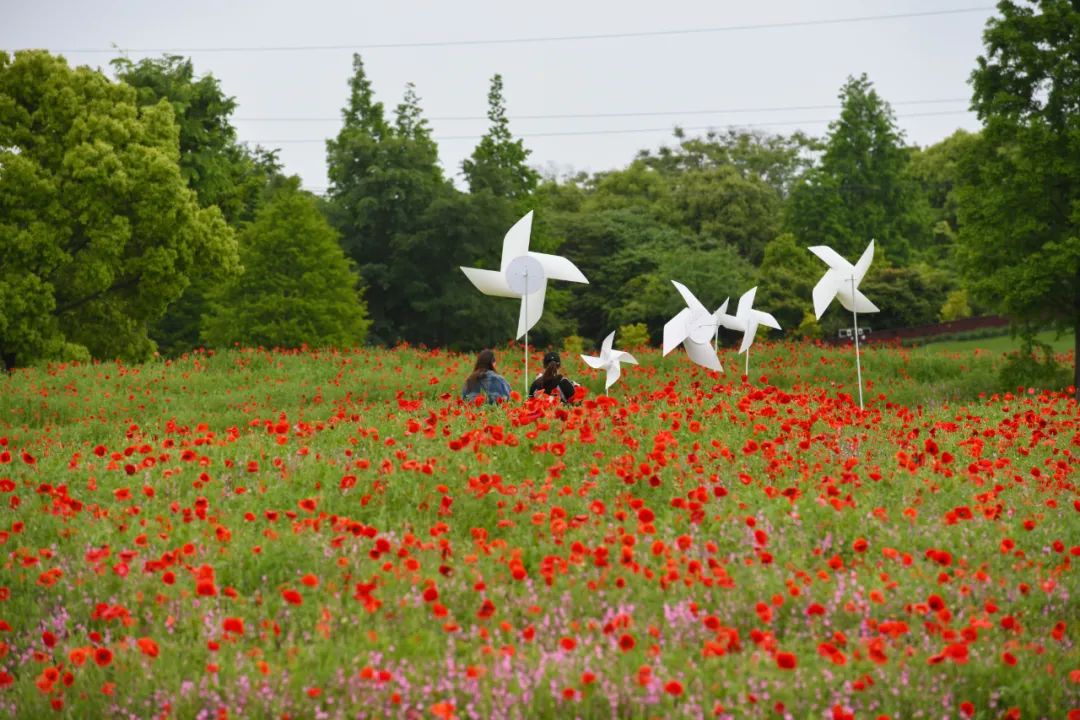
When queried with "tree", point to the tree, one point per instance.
{"points": [[859, 191], [721, 207], [497, 163], [788, 275], [1019, 203], [297, 286], [217, 167], [776, 160], [98, 229], [383, 179], [220, 170]]}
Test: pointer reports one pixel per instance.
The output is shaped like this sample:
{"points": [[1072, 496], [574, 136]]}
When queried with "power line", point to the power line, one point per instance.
{"points": [[544, 39], [630, 130], [572, 116]]}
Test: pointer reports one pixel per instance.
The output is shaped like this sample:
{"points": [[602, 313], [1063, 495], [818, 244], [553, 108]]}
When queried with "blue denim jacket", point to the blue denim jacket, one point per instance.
{"points": [[493, 385]]}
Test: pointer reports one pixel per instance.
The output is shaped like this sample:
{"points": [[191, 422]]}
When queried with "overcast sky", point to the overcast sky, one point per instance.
{"points": [[783, 71]]}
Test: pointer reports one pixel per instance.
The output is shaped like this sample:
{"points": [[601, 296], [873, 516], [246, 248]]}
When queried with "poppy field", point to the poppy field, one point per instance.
{"points": [[336, 535]]}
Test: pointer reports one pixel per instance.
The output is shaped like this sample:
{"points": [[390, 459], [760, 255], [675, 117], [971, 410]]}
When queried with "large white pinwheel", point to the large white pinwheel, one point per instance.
{"points": [[609, 360], [746, 320], [841, 281], [523, 274], [694, 328]]}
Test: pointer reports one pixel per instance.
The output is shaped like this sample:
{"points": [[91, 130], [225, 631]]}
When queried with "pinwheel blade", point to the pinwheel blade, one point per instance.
{"points": [[767, 320], [832, 258], [688, 297], [559, 268], [746, 303], [594, 362], [489, 282], [703, 354], [532, 307], [824, 292], [858, 302], [864, 263], [613, 373], [749, 335], [516, 240], [623, 356], [605, 347], [675, 330]]}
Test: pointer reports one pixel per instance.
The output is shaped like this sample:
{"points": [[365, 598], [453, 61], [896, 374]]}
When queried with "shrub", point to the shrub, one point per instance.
{"points": [[632, 336]]}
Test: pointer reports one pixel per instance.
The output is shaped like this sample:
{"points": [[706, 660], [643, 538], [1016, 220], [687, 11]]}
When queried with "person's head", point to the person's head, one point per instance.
{"points": [[552, 365], [485, 362]]}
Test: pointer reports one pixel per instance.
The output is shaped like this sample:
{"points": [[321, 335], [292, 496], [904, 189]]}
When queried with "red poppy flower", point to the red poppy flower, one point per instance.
{"points": [[103, 656], [785, 661], [292, 597]]}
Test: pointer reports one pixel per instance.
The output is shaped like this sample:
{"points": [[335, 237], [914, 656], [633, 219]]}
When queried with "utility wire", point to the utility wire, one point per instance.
{"points": [[573, 116], [543, 39], [630, 130]]}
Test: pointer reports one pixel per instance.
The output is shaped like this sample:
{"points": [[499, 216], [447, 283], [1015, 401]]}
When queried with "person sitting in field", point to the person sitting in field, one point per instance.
{"points": [[552, 381], [484, 380]]}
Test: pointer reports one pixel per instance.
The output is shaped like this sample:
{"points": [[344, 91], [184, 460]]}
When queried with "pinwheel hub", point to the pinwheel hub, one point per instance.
{"points": [[525, 275], [701, 328]]}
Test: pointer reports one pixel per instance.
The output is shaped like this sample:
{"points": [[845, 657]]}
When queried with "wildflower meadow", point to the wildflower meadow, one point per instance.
{"points": [[335, 534]]}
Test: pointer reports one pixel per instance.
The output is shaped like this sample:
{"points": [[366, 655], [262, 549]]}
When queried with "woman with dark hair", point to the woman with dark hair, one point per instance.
{"points": [[553, 380], [485, 380]]}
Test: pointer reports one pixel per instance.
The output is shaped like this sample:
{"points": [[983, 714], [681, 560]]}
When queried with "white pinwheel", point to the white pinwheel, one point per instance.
{"points": [[841, 281], [694, 327], [746, 320], [523, 274], [609, 360]]}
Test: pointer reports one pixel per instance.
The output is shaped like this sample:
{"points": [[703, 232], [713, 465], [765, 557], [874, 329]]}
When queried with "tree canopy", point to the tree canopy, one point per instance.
{"points": [[297, 287], [1019, 205], [98, 229]]}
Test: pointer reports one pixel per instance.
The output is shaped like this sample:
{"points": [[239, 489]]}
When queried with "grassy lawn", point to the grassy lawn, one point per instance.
{"points": [[1003, 343]]}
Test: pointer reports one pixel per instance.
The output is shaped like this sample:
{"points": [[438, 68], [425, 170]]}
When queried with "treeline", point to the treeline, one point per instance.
{"points": [[132, 218]]}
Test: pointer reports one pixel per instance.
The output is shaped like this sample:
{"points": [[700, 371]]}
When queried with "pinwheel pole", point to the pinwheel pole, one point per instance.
{"points": [[858, 362], [526, 301]]}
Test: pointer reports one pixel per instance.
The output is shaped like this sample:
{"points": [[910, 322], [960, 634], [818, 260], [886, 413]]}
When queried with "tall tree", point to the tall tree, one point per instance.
{"points": [[98, 229], [859, 191], [296, 287], [498, 162], [221, 171], [384, 176], [776, 160], [1020, 199]]}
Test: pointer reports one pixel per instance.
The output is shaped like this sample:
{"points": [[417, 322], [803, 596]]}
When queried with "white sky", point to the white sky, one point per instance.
{"points": [[907, 59]]}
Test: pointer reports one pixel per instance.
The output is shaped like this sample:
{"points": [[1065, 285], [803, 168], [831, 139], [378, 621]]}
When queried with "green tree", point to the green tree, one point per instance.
{"points": [[788, 273], [497, 163], [384, 177], [935, 171], [724, 208], [859, 191], [220, 170], [297, 287], [1020, 198], [217, 167], [99, 231], [776, 160]]}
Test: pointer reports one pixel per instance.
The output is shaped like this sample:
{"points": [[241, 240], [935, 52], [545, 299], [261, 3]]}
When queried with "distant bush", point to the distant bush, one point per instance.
{"points": [[632, 336], [573, 345], [1033, 366], [808, 328]]}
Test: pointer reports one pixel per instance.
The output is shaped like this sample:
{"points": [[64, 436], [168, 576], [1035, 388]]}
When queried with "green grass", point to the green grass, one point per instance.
{"points": [[1002, 344]]}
